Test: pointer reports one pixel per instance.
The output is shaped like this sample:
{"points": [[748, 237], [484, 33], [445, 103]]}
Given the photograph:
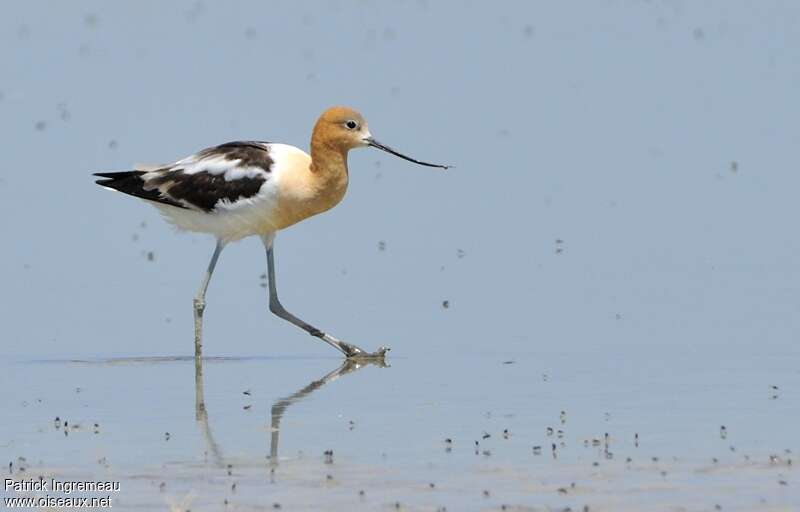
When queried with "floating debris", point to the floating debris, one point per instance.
{"points": [[698, 34], [90, 20], [528, 31], [63, 111]]}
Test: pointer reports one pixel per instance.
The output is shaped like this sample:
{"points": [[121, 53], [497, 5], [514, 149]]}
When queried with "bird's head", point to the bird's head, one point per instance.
{"points": [[343, 129]]}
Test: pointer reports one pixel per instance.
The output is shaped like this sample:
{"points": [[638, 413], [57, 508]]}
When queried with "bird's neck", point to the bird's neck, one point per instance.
{"points": [[328, 173], [327, 159]]}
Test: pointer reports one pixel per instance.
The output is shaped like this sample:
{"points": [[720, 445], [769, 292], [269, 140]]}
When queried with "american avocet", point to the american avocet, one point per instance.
{"points": [[247, 188]]}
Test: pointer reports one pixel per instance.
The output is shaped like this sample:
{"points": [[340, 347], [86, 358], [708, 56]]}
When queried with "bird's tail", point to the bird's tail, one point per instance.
{"points": [[127, 182]]}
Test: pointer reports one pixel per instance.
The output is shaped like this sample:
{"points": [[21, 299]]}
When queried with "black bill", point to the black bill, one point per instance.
{"points": [[375, 144]]}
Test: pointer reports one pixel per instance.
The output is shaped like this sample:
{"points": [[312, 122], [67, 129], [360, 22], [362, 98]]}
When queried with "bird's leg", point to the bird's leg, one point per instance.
{"points": [[349, 350], [200, 301]]}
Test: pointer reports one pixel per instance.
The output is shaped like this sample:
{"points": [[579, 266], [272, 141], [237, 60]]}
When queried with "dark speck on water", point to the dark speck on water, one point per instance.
{"points": [[698, 34], [528, 30], [381, 245], [446, 304], [90, 20]]}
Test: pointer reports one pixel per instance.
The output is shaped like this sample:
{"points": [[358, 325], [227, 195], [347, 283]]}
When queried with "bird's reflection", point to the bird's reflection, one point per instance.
{"points": [[278, 407], [201, 414]]}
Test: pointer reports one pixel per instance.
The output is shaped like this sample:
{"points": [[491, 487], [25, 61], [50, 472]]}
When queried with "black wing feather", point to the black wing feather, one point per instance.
{"points": [[131, 183]]}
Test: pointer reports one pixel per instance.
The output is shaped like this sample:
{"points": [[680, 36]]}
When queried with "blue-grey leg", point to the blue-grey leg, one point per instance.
{"points": [[200, 301], [277, 308]]}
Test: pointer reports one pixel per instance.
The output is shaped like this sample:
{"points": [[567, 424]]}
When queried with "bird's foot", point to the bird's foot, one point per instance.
{"points": [[355, 353]]}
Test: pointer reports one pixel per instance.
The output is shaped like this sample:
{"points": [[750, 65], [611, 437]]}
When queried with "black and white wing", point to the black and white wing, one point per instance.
{"points": [[215, 176]]}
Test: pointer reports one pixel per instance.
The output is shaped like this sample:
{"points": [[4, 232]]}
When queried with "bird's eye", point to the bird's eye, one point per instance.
{"points": [[351, 125]]}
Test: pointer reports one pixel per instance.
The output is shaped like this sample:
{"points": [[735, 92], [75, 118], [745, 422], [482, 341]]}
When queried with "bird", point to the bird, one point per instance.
{"points": [[256, 188]]}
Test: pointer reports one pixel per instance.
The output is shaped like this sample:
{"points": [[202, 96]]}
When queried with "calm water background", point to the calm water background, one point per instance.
{"points": [[619, 224]]}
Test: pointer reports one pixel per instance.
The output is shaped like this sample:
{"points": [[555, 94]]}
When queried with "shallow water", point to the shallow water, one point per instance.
{"points": [[269, 421]]}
